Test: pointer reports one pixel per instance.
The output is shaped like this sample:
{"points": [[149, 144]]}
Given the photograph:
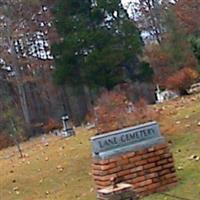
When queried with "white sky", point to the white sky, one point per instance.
{"points": [[127, 1], [124, 2]]}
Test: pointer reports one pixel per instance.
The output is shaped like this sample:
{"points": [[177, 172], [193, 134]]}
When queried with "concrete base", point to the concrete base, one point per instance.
{"points": [[122, 191], [68, 133]]}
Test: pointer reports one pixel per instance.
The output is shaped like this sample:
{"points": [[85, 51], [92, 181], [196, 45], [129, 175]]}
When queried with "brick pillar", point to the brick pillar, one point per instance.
{"points": [[122, 191], [138, 155], [149, 170]]}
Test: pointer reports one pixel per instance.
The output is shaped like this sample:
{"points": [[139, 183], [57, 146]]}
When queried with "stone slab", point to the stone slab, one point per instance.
{"points": [[129, 148], [128, 139], [110, 189]]}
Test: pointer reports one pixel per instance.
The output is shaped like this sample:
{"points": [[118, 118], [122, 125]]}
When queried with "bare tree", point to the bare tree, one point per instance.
{"points": [[20, 22], [148, 15]]}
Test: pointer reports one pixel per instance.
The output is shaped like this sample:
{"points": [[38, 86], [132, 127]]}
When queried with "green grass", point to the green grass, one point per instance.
{"points": [[189, 178], [36, 177]]}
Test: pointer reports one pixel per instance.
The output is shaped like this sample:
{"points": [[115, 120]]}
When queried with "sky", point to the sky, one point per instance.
{"points": [[127, 1], [125, 4]]}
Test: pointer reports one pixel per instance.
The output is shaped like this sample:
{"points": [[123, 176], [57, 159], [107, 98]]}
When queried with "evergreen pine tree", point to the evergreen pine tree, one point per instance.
{"points": [[98, 42]]}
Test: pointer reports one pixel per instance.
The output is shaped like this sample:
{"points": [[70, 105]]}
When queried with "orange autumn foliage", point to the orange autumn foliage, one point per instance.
{"points": [[187, 13], [169, 74], [159, 61], [113, 111], [182, 79]]}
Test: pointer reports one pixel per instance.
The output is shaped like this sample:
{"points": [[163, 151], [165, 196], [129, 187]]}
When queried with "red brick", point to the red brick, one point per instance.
{"points": [[141, 173], [142, 152], [175, 179], [162, 162], [103, 183], [96, 167], [147, 155], [153, 186], [130, 176], [166, 155], [150, 165], [129, 155], [163, 172], [156, 180], [167, 166], [165, 180], [123, 161], [161, 146], [101, 162], [139, 189], [155, 169], [141, 162], [98, 172], [107, 167], [124, 172], [114, 170], [137, 169], [144, 183], [129, 166], [154, 159], [171, 160], [135, 159], [103, 178], [138, 179], [172, 175], [153, 175], [160, 152]]}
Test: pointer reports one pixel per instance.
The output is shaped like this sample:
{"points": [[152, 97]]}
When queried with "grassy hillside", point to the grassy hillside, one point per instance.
{"points": [[61, 170]]}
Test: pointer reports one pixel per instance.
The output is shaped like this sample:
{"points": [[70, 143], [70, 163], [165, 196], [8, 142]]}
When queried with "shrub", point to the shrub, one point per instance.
{"points": [[51, 125], [182, 79], [114, 111], [5, 141]]}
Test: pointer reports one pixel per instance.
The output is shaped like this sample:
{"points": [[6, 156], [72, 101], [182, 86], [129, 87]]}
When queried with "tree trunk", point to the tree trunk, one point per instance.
{"points": [[65, 102], [23, 102], [17, 143], [20, 86]]}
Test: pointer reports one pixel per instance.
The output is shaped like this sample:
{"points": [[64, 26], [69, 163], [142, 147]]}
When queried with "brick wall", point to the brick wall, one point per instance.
{"points": [[149, 170]]}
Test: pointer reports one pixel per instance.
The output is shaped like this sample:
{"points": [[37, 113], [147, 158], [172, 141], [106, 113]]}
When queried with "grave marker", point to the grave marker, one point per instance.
{"points": [[137, 155]]}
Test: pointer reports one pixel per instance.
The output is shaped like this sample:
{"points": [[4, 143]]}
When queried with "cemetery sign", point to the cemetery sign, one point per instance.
{"points": [[128, 139]]}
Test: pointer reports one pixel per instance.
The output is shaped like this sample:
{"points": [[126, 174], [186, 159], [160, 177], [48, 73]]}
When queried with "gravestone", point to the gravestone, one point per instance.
{"points": [[67, 130], [165, 95], [136, 155]]}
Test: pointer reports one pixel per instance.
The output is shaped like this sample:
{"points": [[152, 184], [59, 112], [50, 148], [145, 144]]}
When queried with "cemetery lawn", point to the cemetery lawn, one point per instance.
{"points": [[61, 170]]}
